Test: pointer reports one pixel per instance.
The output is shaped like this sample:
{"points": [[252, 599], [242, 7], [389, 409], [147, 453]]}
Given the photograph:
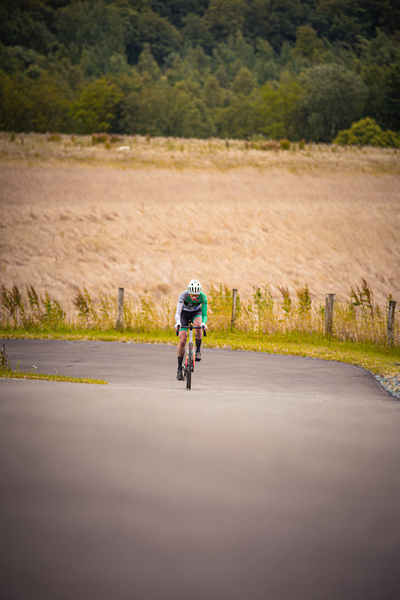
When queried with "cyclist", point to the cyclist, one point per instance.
{"points": [[192, 307]]}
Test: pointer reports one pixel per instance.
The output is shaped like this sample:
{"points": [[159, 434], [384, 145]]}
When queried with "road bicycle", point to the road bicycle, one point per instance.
{"points": [[189, 356]]}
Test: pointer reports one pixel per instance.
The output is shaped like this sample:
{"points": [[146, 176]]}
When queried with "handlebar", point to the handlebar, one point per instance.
{"points": [[191, 326]]}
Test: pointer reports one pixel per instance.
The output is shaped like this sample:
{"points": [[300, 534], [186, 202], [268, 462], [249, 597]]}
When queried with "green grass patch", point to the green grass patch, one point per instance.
{"points": [[6, 372], [378, 359], [13, 374]]}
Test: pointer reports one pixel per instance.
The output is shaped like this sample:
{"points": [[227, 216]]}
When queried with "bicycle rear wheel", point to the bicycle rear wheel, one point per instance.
{"points": [[189, 368]]}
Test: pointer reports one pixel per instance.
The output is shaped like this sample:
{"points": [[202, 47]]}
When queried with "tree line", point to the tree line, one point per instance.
{"points": [[199, 68]]}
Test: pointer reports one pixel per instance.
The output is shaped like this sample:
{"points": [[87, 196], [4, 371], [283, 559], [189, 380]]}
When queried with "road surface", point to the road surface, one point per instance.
{"points": [[275, 477]]}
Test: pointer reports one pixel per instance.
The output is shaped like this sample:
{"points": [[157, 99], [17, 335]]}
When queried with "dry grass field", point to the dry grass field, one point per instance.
{"points": [[152, 216]]}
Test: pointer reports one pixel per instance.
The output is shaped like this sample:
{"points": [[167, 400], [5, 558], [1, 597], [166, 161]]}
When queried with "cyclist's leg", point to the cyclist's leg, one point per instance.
{"points": [[197, 323], [185, 318], [182, 344], [198, 335]]}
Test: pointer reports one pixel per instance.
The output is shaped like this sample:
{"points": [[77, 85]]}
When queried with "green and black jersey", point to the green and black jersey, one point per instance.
{"points": [[195, 307]]}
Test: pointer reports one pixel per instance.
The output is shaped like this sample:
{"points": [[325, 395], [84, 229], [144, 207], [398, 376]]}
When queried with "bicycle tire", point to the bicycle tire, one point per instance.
{"points": [[189, 368]]}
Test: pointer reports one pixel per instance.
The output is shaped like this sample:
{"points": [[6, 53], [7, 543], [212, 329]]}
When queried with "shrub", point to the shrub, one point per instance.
{"points": [[33, 310], [271, 145], [304, 300], [287, 301], [363, 297], [284, 144], [54, 137], [99, 138], [264, 303], [220, 304], [368, 133]]}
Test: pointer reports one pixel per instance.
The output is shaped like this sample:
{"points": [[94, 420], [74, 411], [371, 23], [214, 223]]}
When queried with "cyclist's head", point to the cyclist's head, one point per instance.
{"points": [[194, 287]]}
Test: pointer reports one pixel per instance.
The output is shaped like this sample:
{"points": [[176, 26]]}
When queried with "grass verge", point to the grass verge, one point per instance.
{"points": [[6, 372], [379, 360], [16, 374]]}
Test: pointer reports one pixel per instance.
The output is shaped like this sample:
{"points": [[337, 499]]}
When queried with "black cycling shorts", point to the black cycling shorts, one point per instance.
{"points": [[188, 316]]}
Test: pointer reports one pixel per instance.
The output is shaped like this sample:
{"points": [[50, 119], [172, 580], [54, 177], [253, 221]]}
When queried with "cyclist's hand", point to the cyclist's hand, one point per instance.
{"points": [[177, 327], [204, 326]]}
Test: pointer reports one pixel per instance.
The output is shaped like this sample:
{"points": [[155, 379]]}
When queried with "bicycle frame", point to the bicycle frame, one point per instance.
{"points": [[189, 356]]}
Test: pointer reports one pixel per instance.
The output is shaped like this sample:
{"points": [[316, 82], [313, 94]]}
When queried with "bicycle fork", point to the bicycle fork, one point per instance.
{"points": [[187, 355]]}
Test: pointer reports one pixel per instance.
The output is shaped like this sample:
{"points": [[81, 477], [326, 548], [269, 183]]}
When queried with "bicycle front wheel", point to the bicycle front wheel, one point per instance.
{"points": [[189, 368]]}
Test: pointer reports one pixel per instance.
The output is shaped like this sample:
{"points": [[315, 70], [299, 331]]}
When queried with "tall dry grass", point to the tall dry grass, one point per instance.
{"points": [[140, 152], [77, 215], [358, 318]]}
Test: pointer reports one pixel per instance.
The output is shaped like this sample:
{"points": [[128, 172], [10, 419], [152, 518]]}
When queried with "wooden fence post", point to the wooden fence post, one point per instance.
{"points": [[330, 299], [120, 308], [390, 323], [234, 299]]}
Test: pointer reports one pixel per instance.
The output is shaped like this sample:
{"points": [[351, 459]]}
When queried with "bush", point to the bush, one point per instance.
{"points": [[270, 145], [284, 144], [367, 132]]}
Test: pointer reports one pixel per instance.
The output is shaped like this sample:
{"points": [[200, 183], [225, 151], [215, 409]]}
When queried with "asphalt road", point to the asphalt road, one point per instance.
{"points": [[275, 477]]}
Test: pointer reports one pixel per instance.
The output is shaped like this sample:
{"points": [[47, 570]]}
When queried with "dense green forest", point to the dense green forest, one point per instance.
{"points": [[199, 68]]}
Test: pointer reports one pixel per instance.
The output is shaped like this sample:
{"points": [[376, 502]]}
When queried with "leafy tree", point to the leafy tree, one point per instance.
{"points": [[163, 37], [265, 66], [24, 24], [222, 76], [196, 121], [345, 20], [334, 98], [147, 111], [94, 26], [386, 15], [242, 49], [280, 108], [375, 78], [162, 109], [232, 55], [308, 43], [392, 97], [225, 17], [241, 119], [48, 105], [96, 107], [380, 50], [176, 11], [179, 65], [197, 32], [132, 39], [244, 82], [377, 56], [213, 93], [367, 132], [17, 59], [33, 105], [192, 63], [13, 103], [147, 63], [276, 20], [198, 60], [96, 62]]}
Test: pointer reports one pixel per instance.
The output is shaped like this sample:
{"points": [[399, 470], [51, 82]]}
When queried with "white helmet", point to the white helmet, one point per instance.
{"points": [[194, 287]]}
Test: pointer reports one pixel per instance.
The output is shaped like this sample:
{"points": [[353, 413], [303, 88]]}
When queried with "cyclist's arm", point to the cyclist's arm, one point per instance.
{"points": [[179, 308], [204, 303]]}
